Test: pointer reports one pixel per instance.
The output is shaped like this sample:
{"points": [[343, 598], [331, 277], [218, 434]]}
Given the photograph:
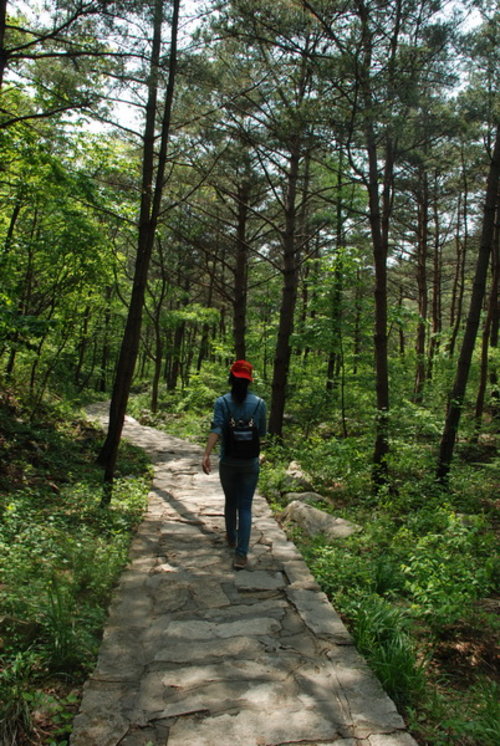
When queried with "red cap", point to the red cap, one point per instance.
{"points": [[242, 369]]}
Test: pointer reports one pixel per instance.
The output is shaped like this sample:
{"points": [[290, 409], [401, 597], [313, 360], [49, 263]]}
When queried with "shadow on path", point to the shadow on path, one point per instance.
{"points": [[196, 654]]}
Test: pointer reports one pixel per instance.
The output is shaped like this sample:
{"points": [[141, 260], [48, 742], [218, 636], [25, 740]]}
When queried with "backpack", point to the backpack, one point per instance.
{"points": [[241, 437]]}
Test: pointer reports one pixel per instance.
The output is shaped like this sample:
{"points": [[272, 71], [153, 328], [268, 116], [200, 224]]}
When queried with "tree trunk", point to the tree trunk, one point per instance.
{"points": [[459, 280], [357, 325], [288, 299], [150, 207], [458, 392], [379, 223], [423, 232], [379, 183], [241, 274], [83, 344], [483, 371], [488, 338], [335, 358], [9, 236], [155, 385], [101, 383], [176, 357], [3, 51], [495, 323], [155, 315], [401, 330], [436, 293]]}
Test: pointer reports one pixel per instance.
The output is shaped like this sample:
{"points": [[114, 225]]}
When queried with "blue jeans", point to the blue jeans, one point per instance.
{"points": [[239, 479]]}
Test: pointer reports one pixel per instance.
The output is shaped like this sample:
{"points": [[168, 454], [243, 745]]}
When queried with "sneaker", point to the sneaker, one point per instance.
{"points": [[240, 561]]}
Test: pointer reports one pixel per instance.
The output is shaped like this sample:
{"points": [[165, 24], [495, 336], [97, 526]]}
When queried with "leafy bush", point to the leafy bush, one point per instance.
{"points": [[199, 397], [344, 459], [448, 570]]}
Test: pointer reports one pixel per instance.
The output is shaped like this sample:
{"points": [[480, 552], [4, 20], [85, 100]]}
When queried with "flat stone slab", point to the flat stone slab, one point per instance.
{"points": [[318, 614], [198, 654], [253, 728], [259, 580]]}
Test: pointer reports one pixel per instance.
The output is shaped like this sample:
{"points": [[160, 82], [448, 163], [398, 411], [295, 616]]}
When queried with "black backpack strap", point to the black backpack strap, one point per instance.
{"points": [[230, 413], [228, 409], [256, 408]]}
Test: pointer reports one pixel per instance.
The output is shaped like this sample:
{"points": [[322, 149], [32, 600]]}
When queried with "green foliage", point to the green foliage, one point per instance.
{"points": [[17, 700], [446, 571], [337, 459], [484, 726], [471, 717], [60, 555], [275, 457], [382, 633]]}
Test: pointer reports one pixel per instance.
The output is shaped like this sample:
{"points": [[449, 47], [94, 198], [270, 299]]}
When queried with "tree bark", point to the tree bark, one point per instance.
{"points": [[288, 299], [241, 274], [150, 207], [458, 392], [176, 356], [436, 294], [488, 339], [379, 223], [3, 51], [203, 349], [495, 323], [335, 358], [422, 246], [101, 383], [459, 280]]}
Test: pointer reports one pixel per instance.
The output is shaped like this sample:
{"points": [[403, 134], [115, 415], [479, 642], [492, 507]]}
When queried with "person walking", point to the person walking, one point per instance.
{"points": [[239, 422]]}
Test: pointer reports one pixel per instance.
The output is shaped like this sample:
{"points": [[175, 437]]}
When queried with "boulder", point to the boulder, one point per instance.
{"points": [[314, 521], [295, 479], [304, 497]]}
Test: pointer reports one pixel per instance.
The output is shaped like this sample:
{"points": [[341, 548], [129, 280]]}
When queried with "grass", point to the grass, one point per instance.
{"points": [[418, 586], [60, 555]]}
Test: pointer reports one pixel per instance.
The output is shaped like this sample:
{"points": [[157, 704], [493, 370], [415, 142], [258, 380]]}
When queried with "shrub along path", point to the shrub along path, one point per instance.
{"points": [[197, 654]]}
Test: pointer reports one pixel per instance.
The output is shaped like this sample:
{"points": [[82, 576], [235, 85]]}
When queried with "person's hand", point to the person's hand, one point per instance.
{"points": [[206, 465]]}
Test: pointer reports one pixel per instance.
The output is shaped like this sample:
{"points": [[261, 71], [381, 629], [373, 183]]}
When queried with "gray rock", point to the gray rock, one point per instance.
{"points": [[201, 651], [318, 614], [315, 522], [304, 497], [259, 580], [295, 479], [391, 739], [254, 728]]}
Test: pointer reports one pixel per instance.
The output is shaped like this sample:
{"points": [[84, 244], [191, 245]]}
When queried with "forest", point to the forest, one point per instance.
{"points": [[311, 185]]}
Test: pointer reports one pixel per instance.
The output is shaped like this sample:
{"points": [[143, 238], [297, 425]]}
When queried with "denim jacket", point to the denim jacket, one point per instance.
{"points": [[243, 411]]}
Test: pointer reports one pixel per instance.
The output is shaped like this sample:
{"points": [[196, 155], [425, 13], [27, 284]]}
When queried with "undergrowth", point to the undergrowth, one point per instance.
{"points": [[60, 555], [417, 586]]}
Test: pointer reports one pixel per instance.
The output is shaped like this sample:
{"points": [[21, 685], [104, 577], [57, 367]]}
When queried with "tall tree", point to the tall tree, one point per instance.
{"points": [[151, 196], [463, 365], [380, 81]]}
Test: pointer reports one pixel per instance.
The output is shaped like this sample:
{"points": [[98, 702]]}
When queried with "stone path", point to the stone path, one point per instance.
{"points": [[197, 654]]}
